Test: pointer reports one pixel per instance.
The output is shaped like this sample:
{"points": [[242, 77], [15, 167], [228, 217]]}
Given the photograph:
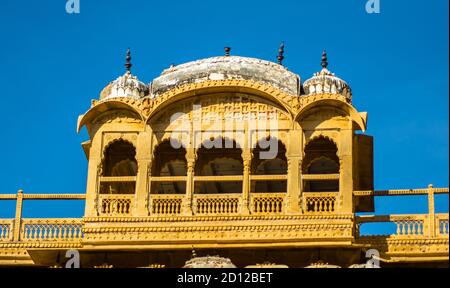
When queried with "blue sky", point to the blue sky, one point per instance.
{"points": [[54, 63]]}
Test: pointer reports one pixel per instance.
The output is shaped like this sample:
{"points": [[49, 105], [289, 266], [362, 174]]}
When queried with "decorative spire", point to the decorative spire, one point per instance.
{"points": [[227, 51], [324, 59], [280, 56], [128, 58]]}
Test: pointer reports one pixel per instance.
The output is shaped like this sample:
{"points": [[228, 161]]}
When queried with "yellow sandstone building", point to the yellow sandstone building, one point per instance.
{"points": [[236, 158]]}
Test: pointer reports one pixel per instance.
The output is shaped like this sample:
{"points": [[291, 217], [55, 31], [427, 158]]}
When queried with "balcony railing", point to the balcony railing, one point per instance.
{"points": [[38, 230], [406, 225], [267, 203], [115, 204], [432, 225], [6, 227], [320, 202], [216, 204], [442, 224], [170, 204]]}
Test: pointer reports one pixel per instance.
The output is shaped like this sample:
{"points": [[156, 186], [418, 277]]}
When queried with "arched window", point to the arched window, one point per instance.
{"points": [[119, 161], [274, 166], [169, 161], [321, 158], [223, 159]]}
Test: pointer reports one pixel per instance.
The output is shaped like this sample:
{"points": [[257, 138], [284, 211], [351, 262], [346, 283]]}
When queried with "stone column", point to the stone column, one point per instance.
{"points": [[346, 171], [247, 160], [187, 201], [431, 212], [141, 198], [94, 173], [18, 218], [294, 155], [144, 162]]}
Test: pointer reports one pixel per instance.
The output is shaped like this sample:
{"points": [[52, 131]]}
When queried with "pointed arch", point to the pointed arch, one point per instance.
{"points": [[356, 117], [103, 107]]}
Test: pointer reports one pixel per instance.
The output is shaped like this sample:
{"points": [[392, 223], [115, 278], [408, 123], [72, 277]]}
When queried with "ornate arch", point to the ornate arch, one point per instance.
{"points": [[306, 168], [310, 102], [178, 156], [111, 138], [100, 107], [281, 138], [307, 161], [275, 95], [108, 145], [328, 135]]}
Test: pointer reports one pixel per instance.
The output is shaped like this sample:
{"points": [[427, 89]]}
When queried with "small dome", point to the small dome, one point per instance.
{"points": [[209, 262], [326, 82], [126, 85]]}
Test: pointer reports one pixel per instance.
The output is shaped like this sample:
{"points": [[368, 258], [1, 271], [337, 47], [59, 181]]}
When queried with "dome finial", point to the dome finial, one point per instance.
{"points": [[280, 56], [324, 59], [227, 51], [128, 59]]}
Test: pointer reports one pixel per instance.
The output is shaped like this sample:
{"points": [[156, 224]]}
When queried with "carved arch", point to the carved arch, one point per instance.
{"points": [[345, 107], [106, 106], [328, 135], [310, 158], [265, 91]]}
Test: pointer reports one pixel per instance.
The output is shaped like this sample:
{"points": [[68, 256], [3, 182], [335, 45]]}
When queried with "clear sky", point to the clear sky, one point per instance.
{"points": [[54, 63]]}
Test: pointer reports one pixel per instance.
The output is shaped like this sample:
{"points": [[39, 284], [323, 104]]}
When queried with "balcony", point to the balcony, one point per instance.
{"points": [[166, 205], [115, 204], [267, 203], [320, 202], [217, 204], [221, 218], [55, 230], [6, 232]]}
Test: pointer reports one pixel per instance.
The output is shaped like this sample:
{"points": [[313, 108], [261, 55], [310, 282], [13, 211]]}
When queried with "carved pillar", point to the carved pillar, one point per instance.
{"points": [[431, 212], [144, 162], [187, 201], [294, 156], [18, 218], [94, 173], [247, 160], [142, 183], [346, 171]]}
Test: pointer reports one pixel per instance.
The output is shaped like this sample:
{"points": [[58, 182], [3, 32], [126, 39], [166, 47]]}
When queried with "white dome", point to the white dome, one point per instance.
{"points": [[126, 85], [326, 82]]}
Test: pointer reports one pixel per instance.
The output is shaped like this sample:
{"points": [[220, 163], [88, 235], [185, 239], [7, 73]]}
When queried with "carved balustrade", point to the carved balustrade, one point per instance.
{"points": [[115, 204], [267, 203], [431, 225], [6, 230], [320, 202], [406, 226], [442, 224], [162, 204], [38, 230], [217, 204]]}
